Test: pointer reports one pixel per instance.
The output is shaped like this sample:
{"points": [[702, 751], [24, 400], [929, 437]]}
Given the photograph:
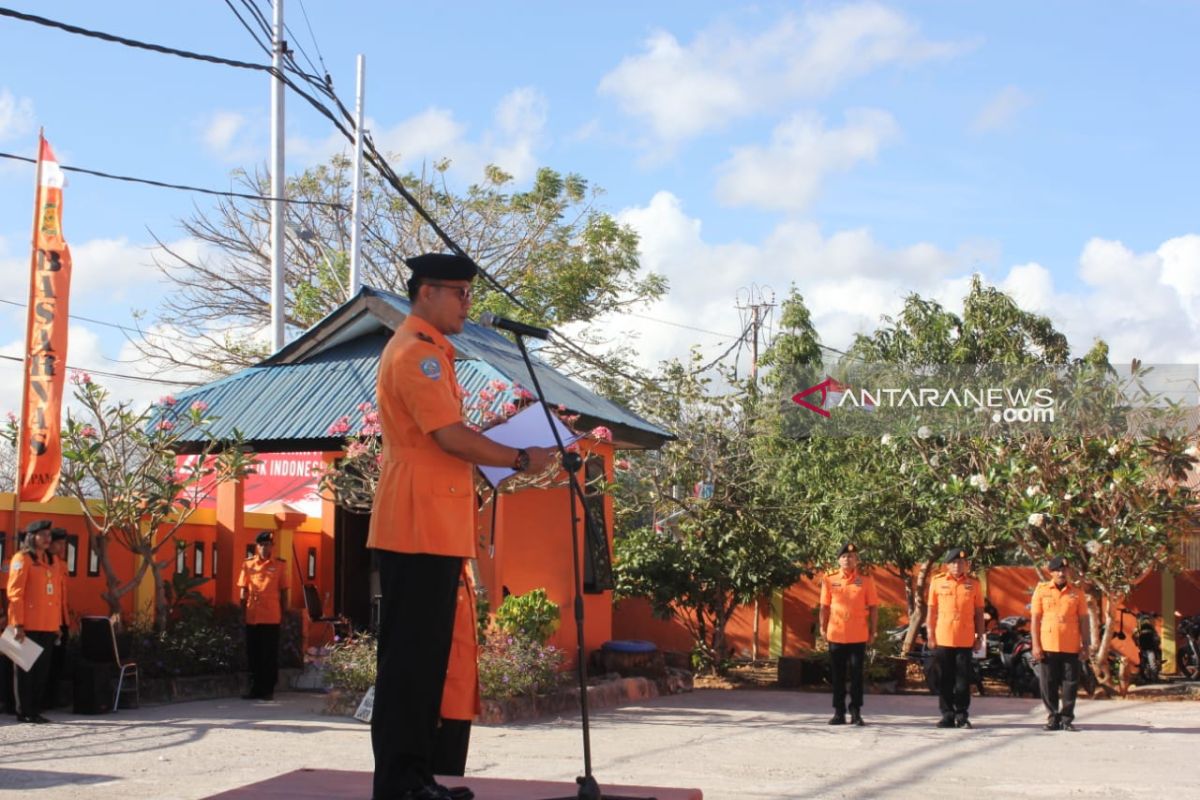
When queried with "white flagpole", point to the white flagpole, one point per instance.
{"points": [[277, 182], [356, 203]]}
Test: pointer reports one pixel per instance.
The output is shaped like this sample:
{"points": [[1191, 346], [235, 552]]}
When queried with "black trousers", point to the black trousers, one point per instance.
{"points": [[31, 685], [58, 660], [1059, 671], [954, 685], [262, 658], [416, 625], [450, 747], [845, 658]]}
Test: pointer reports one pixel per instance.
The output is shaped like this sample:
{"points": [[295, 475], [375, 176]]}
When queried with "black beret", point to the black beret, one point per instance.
{"points": [[1058, 562], [442, 266], [848, 547], [266, 537], [58, 534], [38, 525], [955, 553]]}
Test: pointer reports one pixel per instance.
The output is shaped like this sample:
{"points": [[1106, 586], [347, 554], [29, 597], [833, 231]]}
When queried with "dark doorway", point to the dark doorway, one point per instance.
{"points": [[352, 579]]}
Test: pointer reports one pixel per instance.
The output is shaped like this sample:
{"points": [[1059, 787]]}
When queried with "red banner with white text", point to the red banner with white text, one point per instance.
{"points": [[45, 338]]}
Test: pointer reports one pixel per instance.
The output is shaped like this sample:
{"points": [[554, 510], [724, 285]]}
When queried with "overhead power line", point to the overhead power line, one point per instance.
{"points": [[117, 375], [180, 186]]}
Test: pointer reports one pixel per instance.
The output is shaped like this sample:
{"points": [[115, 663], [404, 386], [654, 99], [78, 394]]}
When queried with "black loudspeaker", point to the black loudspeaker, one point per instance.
{"points": [[94, 685]]}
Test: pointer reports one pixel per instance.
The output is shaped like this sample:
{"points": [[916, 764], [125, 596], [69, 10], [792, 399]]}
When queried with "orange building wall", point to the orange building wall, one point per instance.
{"points": [[1008, 588]]}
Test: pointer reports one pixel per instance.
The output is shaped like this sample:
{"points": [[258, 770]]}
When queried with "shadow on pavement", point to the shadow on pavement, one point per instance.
{"points": [[41, 779]]}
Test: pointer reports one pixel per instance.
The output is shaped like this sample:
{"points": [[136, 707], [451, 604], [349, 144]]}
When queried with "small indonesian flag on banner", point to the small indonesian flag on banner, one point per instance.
{"points": [[40, 455]]}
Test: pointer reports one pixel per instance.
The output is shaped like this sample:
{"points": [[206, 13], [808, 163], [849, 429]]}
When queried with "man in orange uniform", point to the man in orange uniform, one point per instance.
{"points": [[58, 657], [422, 523], [1058, 624], [849, 611], [460, 697], [264, 582], [35, 611], [955, 627]]}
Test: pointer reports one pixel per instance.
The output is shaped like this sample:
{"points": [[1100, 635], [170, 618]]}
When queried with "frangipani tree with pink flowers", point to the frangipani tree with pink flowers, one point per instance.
{"points": [[121, 466], [352, 480]]}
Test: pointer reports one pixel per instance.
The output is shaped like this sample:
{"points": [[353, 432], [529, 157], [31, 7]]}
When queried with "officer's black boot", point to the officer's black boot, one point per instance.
{"points": [[856, 717], [839, 718]]}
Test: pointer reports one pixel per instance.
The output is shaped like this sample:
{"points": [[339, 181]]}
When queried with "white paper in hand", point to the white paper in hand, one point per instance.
{"points": [[23, 654], [527, 428]]}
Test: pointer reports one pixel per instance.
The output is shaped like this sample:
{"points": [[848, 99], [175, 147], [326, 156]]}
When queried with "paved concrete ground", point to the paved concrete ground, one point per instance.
{"points": [[731, 744]]}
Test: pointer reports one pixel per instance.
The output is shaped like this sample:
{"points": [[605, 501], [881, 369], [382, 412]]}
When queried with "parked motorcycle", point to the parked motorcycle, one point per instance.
{"points": [[1187, 645], [1149, 645]]}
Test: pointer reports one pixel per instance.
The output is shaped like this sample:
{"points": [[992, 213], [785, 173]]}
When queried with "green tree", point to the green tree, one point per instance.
{"points": [[563, 258], [716, 541], [121, 466]]}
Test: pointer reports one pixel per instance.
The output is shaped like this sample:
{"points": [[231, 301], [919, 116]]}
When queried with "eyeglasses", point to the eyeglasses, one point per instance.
{"points": [[464, 292]]}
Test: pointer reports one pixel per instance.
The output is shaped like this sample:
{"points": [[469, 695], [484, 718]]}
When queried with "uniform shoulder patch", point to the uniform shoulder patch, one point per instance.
{"points": [[431, 368]]}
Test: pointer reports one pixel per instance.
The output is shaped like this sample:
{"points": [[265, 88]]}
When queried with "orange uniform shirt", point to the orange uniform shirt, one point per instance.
{"points": [[955, 600], [36, 593], [1059, 614], [460, 696], [849, 595], [425, 500], [263, 580]]}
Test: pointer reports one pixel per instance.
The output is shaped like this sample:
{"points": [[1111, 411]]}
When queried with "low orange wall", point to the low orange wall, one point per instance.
{"points": [[1008, 588]]}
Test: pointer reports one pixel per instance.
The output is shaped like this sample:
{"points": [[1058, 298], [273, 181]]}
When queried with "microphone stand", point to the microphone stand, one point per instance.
{"points": [[589, 789]]}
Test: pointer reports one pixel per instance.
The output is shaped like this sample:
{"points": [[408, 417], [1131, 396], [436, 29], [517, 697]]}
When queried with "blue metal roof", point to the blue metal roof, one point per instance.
{"points": [[290, 400]]}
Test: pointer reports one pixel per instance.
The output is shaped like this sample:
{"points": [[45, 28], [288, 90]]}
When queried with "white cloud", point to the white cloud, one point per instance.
{"points": [[1144, 305], [682, 90], [510, 141], [235, 138], [16, 116], [1001, 110], [787, 174]]}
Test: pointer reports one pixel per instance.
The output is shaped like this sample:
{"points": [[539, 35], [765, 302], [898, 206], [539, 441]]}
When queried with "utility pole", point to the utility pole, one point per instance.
{"points": [[759, 303], [355, 203], [279, 46]]}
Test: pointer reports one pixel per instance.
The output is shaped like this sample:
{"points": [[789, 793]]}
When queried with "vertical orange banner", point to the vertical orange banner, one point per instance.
{"points": [[45, 338]]}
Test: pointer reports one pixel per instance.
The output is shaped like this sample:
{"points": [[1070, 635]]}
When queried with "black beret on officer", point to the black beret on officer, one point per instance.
{"points": [[266, 537], [441, 266], [954, 553], [848, 547], [1058, 562], [58, 534], [38, 525]]}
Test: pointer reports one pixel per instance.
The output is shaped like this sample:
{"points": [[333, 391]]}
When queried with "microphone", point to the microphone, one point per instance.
{"points": [[512, 326]]}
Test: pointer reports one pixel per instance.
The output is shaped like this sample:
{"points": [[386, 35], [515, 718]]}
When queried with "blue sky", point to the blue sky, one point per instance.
{"points": [[860, 151]]}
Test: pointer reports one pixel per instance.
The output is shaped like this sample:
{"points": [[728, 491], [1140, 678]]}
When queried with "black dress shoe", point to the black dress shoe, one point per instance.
{"points": [[39, 719], [962, 722], [460, 793], [946, 722], [856, 719], [837, 719], [24, 718], [1052, 725], [1069, 726]]}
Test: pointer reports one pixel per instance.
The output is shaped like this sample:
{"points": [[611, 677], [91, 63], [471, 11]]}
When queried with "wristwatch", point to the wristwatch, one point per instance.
{"points": [[521, 462]]}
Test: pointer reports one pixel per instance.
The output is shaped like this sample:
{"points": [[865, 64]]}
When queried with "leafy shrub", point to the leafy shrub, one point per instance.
{"points": [[202, 640], [884, 648], [514, 665], [532, 616], [351, 664]]}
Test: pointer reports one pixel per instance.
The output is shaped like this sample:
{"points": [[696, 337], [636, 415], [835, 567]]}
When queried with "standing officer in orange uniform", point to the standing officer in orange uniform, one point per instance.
{"points": [[35, 611], [1058, 624], [58, 657], [955, 627], [849, 611], [422, 523], [263, 581]]}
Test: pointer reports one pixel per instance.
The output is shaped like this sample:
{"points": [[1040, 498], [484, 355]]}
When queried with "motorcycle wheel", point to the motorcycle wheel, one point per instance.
{"points": [[1150, 667], [1189, 665]]}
